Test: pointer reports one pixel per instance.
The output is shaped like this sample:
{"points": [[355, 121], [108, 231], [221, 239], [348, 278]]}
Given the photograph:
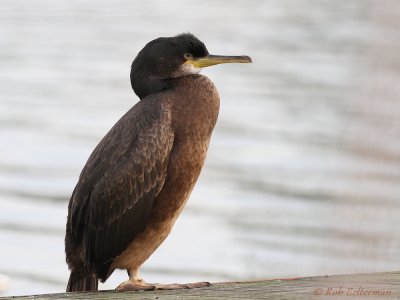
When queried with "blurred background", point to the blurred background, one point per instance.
{"points": [[303, 171]]}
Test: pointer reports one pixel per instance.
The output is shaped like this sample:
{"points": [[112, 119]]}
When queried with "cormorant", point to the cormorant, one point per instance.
{"points": [[139, 177]]}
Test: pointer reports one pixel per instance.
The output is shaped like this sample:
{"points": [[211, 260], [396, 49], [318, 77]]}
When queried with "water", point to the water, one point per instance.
{"points": [[302, 176]]}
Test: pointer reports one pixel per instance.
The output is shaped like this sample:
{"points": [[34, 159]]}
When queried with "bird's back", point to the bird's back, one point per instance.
{"points": [[117, 186]]}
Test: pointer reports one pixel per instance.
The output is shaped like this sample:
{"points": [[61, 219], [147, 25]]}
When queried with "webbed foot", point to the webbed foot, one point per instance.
{"points": [[140, 285]]}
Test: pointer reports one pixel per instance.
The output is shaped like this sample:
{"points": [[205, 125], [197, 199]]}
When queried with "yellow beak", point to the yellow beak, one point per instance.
{"points": [[211, 60]]}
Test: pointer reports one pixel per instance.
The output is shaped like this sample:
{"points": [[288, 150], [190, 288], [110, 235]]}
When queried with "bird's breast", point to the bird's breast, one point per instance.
{"points": [[194, 106]]}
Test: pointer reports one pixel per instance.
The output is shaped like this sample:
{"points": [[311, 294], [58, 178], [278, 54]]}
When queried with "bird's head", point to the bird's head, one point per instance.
{"points": [[171, 57]]}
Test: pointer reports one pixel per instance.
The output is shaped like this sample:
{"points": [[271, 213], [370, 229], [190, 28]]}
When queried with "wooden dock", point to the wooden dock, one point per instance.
{"points": [[354, 286]]}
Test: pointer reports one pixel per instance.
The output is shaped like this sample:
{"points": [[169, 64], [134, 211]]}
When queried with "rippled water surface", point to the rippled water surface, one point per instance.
{"points": [[303, 171]]}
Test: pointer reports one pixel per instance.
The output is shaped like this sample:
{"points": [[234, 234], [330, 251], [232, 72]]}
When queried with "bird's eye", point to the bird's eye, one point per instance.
{"points": [[188, 56]]}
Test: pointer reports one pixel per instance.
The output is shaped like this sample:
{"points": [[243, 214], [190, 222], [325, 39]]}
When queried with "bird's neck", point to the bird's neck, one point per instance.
{"points": [[195, 106], [144, 85]]}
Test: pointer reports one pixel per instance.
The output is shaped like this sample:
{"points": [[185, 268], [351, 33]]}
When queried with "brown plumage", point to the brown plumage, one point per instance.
{"points": [[139, 177]]}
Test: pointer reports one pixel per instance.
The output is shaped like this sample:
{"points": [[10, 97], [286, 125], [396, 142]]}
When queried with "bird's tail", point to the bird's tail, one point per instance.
{"points": [[80, 281]]}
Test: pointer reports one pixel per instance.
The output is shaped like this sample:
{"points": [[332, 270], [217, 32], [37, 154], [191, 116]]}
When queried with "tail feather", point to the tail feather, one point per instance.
{"points": [[82, 281]]}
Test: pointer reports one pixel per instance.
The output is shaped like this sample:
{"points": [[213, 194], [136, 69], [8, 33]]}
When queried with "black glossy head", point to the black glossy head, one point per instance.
{"points": [[162, 59]]}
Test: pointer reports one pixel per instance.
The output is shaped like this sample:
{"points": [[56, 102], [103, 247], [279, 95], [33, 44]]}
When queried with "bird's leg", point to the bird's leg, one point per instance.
{"points": [[136, 283]]}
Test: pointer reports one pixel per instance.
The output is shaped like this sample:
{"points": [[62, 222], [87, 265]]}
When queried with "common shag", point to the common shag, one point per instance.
{"points": [[139, 177]]}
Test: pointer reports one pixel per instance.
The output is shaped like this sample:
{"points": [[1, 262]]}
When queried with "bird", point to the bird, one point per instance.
{"points": [[139, 177]]}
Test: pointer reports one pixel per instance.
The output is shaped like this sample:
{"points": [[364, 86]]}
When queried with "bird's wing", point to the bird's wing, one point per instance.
{"points": [[114, 196]]}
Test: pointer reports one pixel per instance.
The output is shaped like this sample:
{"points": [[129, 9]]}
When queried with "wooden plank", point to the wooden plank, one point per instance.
{"points": [[356, 286]]}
